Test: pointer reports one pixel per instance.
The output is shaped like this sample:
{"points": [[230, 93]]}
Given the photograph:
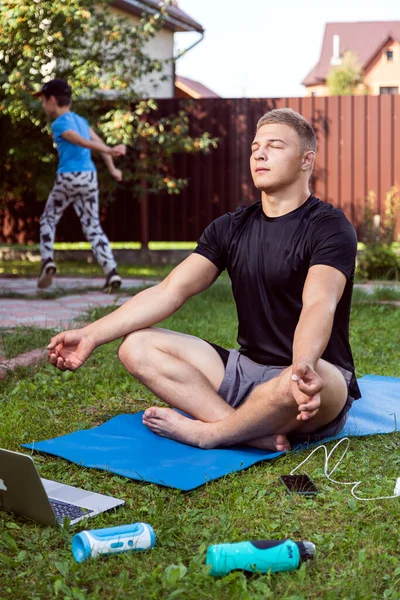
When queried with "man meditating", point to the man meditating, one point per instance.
{"points": [[291, 261]]}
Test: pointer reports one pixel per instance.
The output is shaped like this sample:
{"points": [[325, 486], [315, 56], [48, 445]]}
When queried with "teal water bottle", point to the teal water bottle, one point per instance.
{"points": [[112, 540], [261, 556]]}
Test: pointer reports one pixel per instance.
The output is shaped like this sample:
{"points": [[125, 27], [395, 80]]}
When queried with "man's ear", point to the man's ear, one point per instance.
{"points": [[308, 160]]}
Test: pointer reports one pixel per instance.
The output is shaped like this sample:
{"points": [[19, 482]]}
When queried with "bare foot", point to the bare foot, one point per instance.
{"points": [[278, 442], [171, 424]]}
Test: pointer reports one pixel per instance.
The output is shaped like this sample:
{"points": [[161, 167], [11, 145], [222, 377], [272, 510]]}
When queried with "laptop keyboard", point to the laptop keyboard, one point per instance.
{"points": [[63, 509]]}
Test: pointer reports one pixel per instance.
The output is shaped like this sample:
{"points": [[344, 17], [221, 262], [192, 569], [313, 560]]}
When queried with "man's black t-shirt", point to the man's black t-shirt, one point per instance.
{"points": [[267, 259]]}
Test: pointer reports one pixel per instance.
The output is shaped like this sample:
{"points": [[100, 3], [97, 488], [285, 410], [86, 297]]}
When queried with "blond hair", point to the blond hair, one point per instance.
{"points": [[288, 116]]}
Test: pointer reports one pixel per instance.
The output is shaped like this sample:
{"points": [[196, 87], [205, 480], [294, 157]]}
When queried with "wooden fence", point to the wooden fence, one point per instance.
{"points": [[358, 152]]}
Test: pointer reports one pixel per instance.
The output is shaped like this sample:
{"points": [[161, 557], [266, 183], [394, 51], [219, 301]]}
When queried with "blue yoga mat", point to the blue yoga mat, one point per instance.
{"points": [[123, 445]]}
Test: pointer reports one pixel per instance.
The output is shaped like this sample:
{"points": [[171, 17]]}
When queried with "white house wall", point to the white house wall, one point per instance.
{"points": [[160, 47]]}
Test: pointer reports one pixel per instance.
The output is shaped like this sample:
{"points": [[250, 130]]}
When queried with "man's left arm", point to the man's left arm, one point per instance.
{"points": [[322, 291]]}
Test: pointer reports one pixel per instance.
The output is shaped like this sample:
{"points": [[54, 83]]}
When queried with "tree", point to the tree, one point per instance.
{"points": [[344, 79], [103, 57]]}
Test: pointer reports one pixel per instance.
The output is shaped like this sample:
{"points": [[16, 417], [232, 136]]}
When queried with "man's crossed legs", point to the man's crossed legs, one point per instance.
{"points": [[186, 373]]}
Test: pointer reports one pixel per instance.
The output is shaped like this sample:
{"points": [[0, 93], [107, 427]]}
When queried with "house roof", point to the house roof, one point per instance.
{"points": [[365, 39], [194, 88], [175, 20]]}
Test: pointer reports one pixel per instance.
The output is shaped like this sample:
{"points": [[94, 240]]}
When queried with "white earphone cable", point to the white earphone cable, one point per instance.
{"points": [[328, 473]]}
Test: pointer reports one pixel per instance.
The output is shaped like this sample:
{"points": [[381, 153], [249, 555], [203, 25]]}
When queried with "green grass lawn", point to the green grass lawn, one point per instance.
{"points": [[22, 339], [114, 246], [24, 268], [357, 542]]}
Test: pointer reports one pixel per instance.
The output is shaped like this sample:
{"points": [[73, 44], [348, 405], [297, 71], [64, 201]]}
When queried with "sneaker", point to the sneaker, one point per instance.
{"points": [[113, 281], [47, 273]]}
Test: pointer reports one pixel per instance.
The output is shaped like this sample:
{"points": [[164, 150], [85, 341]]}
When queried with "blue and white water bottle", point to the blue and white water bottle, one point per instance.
{"points": [[112, 540]]}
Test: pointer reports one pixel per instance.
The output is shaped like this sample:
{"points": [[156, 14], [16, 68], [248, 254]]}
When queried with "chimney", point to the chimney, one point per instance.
{"points": [[335, 59]]}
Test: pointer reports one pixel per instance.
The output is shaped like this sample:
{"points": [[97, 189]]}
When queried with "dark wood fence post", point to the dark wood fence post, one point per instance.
{"points": [[144, 217], [144, 199]]}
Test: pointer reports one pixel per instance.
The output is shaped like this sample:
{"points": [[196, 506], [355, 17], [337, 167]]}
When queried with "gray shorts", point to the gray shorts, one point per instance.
{"points": [[242, 375]]}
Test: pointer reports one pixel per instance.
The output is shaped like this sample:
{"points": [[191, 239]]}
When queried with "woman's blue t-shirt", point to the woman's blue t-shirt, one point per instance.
{"points": [[72, 157]]}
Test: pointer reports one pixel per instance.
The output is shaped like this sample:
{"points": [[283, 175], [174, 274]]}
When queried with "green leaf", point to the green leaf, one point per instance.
{"points": [[178, 593], [352, 504], [362, 555], [10, 542], [57, 586], [12, 525], [62, 567], [22, 556], [173, 573], [302, 572]]}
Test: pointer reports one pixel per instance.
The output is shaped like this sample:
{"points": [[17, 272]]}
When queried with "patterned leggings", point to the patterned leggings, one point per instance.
{"points": [[81, 190]]}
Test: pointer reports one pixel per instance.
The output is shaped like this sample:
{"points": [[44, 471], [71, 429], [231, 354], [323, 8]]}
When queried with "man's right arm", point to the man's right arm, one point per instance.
{"points": [[154, 304], [69, 350]]}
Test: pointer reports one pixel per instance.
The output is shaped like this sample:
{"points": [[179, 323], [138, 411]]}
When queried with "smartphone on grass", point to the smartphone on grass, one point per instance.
{"points": [[299, 484]]}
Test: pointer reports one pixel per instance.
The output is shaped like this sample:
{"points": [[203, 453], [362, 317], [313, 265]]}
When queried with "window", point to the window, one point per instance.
{"points": [[388, 90], [389, 55]]}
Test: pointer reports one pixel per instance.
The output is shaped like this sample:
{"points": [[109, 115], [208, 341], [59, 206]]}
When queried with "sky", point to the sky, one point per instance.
{"points": [[259, 48]]}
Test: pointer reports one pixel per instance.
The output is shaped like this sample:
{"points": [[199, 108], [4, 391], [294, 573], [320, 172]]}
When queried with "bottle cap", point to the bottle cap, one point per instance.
{"points": [[307, 551], [81, 548]]}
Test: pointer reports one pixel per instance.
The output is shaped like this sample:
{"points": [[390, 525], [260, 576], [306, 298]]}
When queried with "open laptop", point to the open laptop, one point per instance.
{"points": [[24, 493]]}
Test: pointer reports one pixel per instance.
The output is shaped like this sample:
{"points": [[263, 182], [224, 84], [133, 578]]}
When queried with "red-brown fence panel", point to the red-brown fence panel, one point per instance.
{"points": [[358, 153]]}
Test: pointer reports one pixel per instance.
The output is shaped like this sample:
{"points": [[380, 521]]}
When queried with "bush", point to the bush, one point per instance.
{"points": [[378, 261], [381, 257]]}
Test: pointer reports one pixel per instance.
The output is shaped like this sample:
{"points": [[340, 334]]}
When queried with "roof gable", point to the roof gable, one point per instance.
{"points": [[175, 20], [364, 39], [195, 89]]}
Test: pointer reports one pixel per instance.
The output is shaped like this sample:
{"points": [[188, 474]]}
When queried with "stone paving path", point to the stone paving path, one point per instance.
{"points": [[61, 312], [55, 313], [58, 313], [28, 285]]}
